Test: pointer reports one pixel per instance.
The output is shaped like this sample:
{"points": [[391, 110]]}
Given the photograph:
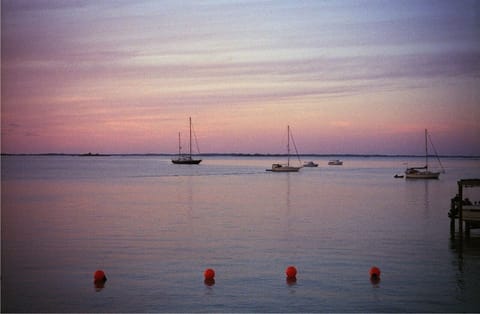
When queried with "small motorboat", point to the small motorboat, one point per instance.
{"points": [[310, 164], [335, 162], [398, 176]]}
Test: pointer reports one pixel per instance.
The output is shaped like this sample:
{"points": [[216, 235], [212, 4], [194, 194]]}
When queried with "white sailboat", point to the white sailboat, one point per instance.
{"points": [[186, 159], [424, 172], [286, 167]]}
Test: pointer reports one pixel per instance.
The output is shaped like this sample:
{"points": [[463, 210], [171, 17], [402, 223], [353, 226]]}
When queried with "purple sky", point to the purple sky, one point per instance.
{"points": [[347, 76]]}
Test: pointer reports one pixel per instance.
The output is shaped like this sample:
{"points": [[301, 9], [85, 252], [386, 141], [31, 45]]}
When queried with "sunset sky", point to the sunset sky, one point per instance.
{"points": [[362, 77]]}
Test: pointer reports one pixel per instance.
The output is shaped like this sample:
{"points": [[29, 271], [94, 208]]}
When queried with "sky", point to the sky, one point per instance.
{"points": [[349, 77]]}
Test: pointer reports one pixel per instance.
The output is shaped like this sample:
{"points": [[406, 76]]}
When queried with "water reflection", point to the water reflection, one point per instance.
{"points": [[291, 281], [466, 258], [375, 281], [426, 197], [465, 248], [418, 192], [99, 285], [290, 231], [209, 282], [288, 201]]}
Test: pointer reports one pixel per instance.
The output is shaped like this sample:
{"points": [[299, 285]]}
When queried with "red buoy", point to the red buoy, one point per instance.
{"points": [[374, 272], [99, 276], [209, 274], [291, 272]]}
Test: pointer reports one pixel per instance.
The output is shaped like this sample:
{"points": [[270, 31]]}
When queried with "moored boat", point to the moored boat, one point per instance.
{"points": [[186, 159], [310, 164], [276, 167], [423, 172], [417, 173], [335, 162], [283, 168]]}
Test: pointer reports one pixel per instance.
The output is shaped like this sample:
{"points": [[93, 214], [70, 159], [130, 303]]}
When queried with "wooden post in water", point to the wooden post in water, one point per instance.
{"points": [[452, 218], [460, 207]]}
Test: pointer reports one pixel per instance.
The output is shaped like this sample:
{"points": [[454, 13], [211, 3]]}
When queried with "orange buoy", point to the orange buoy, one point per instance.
{"points": [[99, 276], [209, 274], [374, 272], [291, 272]]}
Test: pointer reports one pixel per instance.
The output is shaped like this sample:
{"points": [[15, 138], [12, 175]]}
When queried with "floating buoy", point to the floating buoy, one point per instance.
{"points": [[99, 276], [291, 272], [209, 274], [374, 272], [99, 280]]}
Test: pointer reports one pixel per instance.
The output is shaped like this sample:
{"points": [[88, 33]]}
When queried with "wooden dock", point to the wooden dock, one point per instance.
{"points": [[464, 210]]}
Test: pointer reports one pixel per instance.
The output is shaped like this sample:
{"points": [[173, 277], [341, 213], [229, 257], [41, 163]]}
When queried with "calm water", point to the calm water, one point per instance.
{"points": [[154, 227]]}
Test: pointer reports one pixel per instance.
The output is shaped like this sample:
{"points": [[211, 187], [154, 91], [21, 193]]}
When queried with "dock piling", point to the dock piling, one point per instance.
{"points": [[471, 217]]}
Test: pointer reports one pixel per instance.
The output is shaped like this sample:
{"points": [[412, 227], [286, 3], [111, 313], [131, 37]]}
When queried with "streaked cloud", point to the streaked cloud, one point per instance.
{"points": [[118, 67]]}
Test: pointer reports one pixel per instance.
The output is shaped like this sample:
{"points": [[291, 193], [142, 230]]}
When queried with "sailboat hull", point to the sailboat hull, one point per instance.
{"points": [[286, 169], [283, 168], [415, 174], [186, 161]]}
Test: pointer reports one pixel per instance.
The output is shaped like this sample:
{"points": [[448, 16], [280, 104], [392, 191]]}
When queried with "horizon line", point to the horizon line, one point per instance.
{"points": [[235, 155]]}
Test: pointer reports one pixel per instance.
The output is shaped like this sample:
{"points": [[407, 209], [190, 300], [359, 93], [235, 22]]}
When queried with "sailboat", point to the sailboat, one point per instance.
{"points": [[186, 159], [286, 167], [423, 172]]}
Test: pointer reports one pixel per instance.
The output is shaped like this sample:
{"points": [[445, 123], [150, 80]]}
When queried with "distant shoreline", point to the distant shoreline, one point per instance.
{"points": [[237, 155]]}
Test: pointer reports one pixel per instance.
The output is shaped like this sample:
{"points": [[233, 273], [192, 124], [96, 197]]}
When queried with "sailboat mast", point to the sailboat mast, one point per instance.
{"points": [[190, 119], [179, 145], [288, 145], [426, 150]]}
